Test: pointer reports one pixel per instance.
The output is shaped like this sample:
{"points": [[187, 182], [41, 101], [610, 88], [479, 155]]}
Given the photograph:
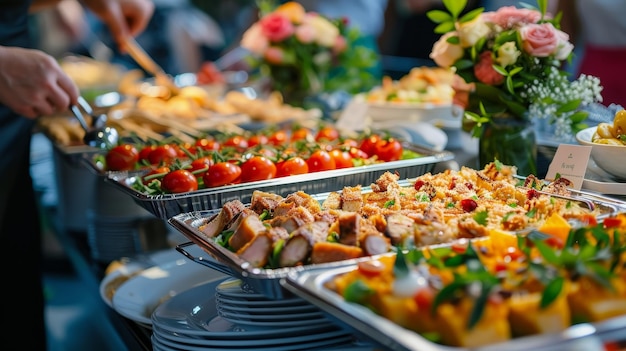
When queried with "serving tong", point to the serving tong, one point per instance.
{"points": [[97, 134], [589, 199]]}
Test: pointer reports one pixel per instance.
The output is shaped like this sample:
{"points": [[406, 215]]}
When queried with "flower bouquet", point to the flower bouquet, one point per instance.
{"points": [[305, 53], [512, 58]]}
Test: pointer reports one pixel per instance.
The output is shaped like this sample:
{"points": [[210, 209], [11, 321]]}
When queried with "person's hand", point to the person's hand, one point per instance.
{"points": [[122, 17], [33, 84]]}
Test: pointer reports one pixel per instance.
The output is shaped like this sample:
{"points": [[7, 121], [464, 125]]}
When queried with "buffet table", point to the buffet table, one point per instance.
{"points": [[127, 334]]}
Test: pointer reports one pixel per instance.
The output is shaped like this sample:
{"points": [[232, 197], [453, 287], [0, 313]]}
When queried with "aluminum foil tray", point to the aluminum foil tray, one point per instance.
{"points": [[309, 284], [169, 205]]}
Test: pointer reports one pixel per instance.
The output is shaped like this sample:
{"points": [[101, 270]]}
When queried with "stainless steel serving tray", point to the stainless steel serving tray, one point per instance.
{"points": [[169, 205], [309, 284], [267, 281]]}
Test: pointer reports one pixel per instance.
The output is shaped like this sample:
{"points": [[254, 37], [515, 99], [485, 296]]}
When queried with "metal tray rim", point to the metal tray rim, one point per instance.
{"points": [[309, 285]]}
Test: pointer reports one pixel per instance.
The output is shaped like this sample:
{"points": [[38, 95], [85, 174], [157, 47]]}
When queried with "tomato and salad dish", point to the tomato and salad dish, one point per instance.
{"points": [[172, 166]]}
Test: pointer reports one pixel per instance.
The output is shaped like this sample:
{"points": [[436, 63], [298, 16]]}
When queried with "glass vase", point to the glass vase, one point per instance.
{"points": [[510, 141]]}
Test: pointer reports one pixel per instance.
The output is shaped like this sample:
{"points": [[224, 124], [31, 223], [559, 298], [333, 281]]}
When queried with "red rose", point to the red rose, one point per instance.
{"points": [[276, 27], [484, 70]]}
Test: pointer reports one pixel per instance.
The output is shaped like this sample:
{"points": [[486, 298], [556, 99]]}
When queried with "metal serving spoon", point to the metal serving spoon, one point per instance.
{"points": [[97, 135]]}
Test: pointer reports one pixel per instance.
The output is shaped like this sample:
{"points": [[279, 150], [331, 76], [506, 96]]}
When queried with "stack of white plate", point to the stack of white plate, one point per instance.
{"points": [[221, 315]]}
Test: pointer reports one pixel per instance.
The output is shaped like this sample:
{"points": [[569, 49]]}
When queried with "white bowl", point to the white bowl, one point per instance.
{"points": [[611, 158], [443, 116]]}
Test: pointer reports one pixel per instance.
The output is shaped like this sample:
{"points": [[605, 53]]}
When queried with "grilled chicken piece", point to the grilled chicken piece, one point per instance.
{"points": [[373, 242], [324, 252], [263, 201], [399, 228], [293, 219], [258, 250], [245, 228], [229, 211], [297, 249], [297, 199]]}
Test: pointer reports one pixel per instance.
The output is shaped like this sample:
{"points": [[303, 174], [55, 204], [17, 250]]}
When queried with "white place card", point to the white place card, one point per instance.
{"points": [[570, 161]]}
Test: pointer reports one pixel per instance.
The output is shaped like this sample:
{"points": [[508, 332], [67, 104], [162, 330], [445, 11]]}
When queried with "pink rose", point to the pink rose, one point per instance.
{"points": [[276, 27], [509, 17], [340, 45], [484, 72], [540, 40], [305, 33]]}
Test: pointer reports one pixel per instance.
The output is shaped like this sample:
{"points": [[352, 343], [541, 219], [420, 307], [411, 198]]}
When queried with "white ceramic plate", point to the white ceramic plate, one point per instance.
{"points": [[193, 314], [133, 266], [139, 296], [598, 180]]}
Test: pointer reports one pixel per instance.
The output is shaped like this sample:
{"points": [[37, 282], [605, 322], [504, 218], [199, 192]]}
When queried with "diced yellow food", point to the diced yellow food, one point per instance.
{"points": [[591, 302], [556, 226], [527, 318], [493, 327]]}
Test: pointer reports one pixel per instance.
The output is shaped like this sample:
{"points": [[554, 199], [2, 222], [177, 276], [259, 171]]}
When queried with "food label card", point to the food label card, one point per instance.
{"points": [[570, 161]]}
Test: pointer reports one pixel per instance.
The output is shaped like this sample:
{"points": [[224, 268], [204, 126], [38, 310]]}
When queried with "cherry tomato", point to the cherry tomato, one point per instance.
{"points": [[222, 173], [278, 138], [611, 222], [369, 144], [202, 163], [163, 154], [258, 139], [184, 149], [237, 141], [157, 173], [257, 168], [292, 166], [179, 181], [320, 160], [208, 144], [301, 134], [371, 268], [145, 152], [122, 157], [327, 133], [355, 152], [389, 149], [424, 298], [342, 158]]}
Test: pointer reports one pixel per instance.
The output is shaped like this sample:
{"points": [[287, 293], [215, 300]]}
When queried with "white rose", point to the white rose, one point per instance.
{"points": [[471, 32], [325, 32], [507, 54], [564, 47], [446, 54]]}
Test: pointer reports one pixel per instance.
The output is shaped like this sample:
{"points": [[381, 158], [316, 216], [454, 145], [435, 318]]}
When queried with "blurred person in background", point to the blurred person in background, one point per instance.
{"points": [[600, 40], [32, 84]]}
